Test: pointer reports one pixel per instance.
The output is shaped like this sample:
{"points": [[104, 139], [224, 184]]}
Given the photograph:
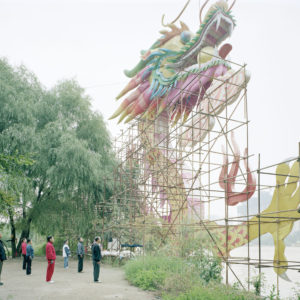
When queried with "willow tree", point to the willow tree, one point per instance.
{"points": [[71, 148]]}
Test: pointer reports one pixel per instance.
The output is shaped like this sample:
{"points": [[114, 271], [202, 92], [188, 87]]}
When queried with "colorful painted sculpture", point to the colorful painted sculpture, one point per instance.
{"points": [[283, 208], [172, 78], [167, 76], [227, 181], [176, 75]]}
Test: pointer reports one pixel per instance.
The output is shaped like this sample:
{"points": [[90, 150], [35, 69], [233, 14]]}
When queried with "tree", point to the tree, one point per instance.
{"points": [[71, 148]]}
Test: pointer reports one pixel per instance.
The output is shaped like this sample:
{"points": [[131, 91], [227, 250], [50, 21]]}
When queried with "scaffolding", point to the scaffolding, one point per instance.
{"points": [[192, 174]]}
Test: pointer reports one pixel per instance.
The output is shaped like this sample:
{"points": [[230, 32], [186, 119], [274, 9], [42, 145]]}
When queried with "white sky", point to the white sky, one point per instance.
{"points": [[94, 40]]}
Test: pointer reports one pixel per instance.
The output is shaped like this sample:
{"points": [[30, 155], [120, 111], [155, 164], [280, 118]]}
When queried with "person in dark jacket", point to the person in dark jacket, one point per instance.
{"points": [[96, 253], [29, 256], [80, 254], [2, 256], [24, 245]]}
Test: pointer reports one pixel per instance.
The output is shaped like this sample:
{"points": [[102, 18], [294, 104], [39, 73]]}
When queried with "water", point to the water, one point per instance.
{"points": [[287, 289]]}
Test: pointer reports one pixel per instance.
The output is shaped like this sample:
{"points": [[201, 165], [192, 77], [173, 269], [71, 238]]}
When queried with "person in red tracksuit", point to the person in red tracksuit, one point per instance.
{"points": [[50, 256], [24, 245]]}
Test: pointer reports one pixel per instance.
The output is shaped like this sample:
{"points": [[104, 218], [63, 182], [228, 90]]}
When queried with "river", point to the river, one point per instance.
{"points": [[287, 290]]}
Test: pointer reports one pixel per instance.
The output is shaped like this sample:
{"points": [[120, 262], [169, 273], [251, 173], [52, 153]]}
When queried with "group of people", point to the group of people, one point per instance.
{"points": [[28, 255]]}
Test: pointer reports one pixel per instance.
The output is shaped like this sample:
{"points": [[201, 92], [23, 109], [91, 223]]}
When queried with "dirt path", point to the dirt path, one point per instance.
{"points": [[68, 283]]}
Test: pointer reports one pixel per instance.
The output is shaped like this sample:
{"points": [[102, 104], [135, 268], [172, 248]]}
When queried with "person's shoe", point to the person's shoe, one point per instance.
{"points": [[97, 281], [51, 281], [1, 283]]}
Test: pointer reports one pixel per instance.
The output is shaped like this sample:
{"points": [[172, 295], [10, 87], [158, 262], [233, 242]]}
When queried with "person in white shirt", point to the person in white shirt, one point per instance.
{"points": [[66, 253]]}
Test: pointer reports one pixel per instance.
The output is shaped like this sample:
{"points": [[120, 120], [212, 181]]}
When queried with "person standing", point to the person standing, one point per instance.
{"points": [[24, 245], [80, 254], [29, 256], [96, 254], [50, 256], [2, 257], [66, 253]]}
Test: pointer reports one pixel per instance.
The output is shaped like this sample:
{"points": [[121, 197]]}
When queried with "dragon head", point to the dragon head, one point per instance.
{"points": [[172, 62]]}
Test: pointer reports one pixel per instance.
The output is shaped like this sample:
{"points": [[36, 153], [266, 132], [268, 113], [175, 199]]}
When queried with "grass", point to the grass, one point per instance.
{"points": [[177, 278], [149, 272]]}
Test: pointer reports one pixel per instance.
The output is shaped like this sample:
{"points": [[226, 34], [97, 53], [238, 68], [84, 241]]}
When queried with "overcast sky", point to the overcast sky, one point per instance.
{"points": [[93, 41]]}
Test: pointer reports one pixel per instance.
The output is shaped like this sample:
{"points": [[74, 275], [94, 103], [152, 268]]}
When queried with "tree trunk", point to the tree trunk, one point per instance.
{"points": [[24, 234], [13, 233]]}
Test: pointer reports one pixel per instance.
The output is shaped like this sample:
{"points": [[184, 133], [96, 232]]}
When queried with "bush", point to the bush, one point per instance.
{"points": [[193, 278], [149, 272], [40, 250], [212, 292]]}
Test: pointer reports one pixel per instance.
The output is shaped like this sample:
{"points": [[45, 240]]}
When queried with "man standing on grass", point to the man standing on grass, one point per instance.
{"points": [[50, 256], [80, 254], [96, 253], [2, 257], [24, 245], [29, 256]]}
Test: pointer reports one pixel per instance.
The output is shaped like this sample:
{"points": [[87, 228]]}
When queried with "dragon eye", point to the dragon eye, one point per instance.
{"points": [[185, 37]]}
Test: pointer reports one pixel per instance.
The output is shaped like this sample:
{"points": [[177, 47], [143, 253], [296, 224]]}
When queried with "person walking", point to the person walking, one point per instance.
{"points": [[2, 257], [50, 256], [80, 254], [66, 253], [29, 256], [24, 245], [96, 254]]}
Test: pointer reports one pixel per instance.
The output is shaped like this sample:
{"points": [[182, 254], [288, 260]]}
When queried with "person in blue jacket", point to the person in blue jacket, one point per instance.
{"points": [[29, 256]]}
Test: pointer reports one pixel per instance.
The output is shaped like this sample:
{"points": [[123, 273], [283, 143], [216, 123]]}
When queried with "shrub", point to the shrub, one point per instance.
{"points": [[150, 272], [40, 250], [212, 292]]}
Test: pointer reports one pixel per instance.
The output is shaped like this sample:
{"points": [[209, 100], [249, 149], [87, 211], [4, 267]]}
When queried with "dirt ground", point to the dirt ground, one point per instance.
{"points": [[68, 284]]}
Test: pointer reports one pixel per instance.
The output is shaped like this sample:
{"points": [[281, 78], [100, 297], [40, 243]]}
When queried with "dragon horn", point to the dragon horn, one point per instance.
{"points": [[163, 16], [231, 5], [202, 10]]}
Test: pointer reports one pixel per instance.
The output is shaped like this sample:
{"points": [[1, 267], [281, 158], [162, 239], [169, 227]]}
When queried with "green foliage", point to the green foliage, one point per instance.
{"points": [[212, 292], [184, 268], [258, 283], [149, 272], [40, 250], [178, 279], [70, 168]]}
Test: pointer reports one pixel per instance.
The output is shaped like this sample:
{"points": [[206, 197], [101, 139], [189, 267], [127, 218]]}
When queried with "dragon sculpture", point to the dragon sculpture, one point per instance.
{"points": [[176, 75]]}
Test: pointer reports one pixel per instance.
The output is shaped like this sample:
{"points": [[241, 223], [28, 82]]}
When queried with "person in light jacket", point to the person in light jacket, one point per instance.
{"points": [[80, 254], [29, 256], [66, 253]]}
